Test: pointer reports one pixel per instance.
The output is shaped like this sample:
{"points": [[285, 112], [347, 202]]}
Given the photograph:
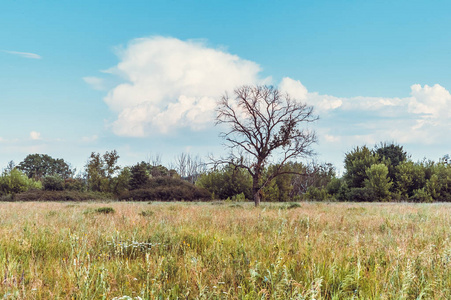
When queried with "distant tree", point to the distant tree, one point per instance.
{"points": [[100, 171], [122, 182], [110, 163], [10, 166], [226, 182], [189, 167], [391, 151], [410, 176], [39, 165], [95, 172], [263, 125], [391, 155], [356, 162], [53, 183], [139, 176], [16, 182], [378, 181]]}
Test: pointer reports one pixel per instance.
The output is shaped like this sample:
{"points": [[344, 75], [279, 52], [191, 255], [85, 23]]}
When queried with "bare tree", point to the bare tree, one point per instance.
{"points": [[154, 160], [189, 167], [264, 124]]}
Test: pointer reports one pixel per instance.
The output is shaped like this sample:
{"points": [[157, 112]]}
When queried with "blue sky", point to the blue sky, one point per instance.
{"points": [[141, 77]]}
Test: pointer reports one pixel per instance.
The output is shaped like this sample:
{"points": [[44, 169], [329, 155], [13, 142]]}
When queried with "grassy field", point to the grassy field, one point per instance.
{"points": [[225, 251]]}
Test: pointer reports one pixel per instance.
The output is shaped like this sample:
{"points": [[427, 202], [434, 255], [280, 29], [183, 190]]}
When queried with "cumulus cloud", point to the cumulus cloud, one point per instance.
{"points": [[24, 54], [34, 135], [298, 91], [172, 83], [424, 117], [431, 102]]}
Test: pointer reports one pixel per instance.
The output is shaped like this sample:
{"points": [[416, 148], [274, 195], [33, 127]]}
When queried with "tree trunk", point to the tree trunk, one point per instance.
{"points": [[256, 190]]}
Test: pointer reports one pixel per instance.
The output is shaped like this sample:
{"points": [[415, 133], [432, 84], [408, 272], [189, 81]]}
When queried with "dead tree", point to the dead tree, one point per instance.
{"points": [[263, 125]]}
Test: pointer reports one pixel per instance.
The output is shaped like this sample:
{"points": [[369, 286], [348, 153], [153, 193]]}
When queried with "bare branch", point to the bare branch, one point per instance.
{"points": [[264, 123]]}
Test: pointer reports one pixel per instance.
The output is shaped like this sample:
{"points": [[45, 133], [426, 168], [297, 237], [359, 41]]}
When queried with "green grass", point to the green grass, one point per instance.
{"points": [[52, 250]]}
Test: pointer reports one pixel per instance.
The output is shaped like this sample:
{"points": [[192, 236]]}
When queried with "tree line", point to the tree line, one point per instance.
{"points": [[382, 173]]}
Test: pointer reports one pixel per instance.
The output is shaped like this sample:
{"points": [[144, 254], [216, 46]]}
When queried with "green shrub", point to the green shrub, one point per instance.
{"points": [[105, 210], [361, 195], [75, 184], [40, 195], [53, 183], [316, 194], [16, 182], [421, 195], [167, 189]]}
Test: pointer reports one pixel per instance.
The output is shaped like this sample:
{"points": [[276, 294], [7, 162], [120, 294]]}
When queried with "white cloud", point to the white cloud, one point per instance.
{"points": [[24, 54], [299, 92], [95, 82], [433, 103], [172, 84], [34, 135]]}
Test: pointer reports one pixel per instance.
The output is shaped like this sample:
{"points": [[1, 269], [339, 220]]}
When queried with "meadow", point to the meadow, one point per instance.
{"points": [[221, 250]]}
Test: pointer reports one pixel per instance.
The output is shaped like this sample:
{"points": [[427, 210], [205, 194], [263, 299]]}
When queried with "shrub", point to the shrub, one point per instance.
{"points": [[105, 210], [421, 195], [16, 182], [53, 183], [75, 184], [40, 195], [315, 194], [167, 189], [361, 195]]}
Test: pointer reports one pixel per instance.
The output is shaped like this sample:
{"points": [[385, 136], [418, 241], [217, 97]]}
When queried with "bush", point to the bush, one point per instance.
{"points": [[421, 195], [75, 184], [361, 195], [53, 183], [16, 182], [105, 210], [167, 189], [40, 195], [315, 194]]}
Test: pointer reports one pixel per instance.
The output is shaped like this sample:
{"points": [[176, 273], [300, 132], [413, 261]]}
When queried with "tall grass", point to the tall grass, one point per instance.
{"points": [[188, 251]]}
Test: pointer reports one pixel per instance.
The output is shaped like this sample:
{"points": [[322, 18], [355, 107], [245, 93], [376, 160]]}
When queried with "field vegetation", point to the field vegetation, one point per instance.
{"points": [[224, 250]]}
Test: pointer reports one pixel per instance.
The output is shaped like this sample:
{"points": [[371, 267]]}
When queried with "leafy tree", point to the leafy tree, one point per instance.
{"points": [[356, 163], [138, 175], [378, 181], [95, 172], [391, 155], [226, 182], [39, 165], [53, 183], [122, 182], [391, 151], [410, 176], [100, 171], [110, 163], [15, 182], [264, 124], [439, 185]]}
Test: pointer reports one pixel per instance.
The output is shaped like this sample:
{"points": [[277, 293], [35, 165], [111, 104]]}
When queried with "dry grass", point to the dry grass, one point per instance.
{"points": [[225, 251]]}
